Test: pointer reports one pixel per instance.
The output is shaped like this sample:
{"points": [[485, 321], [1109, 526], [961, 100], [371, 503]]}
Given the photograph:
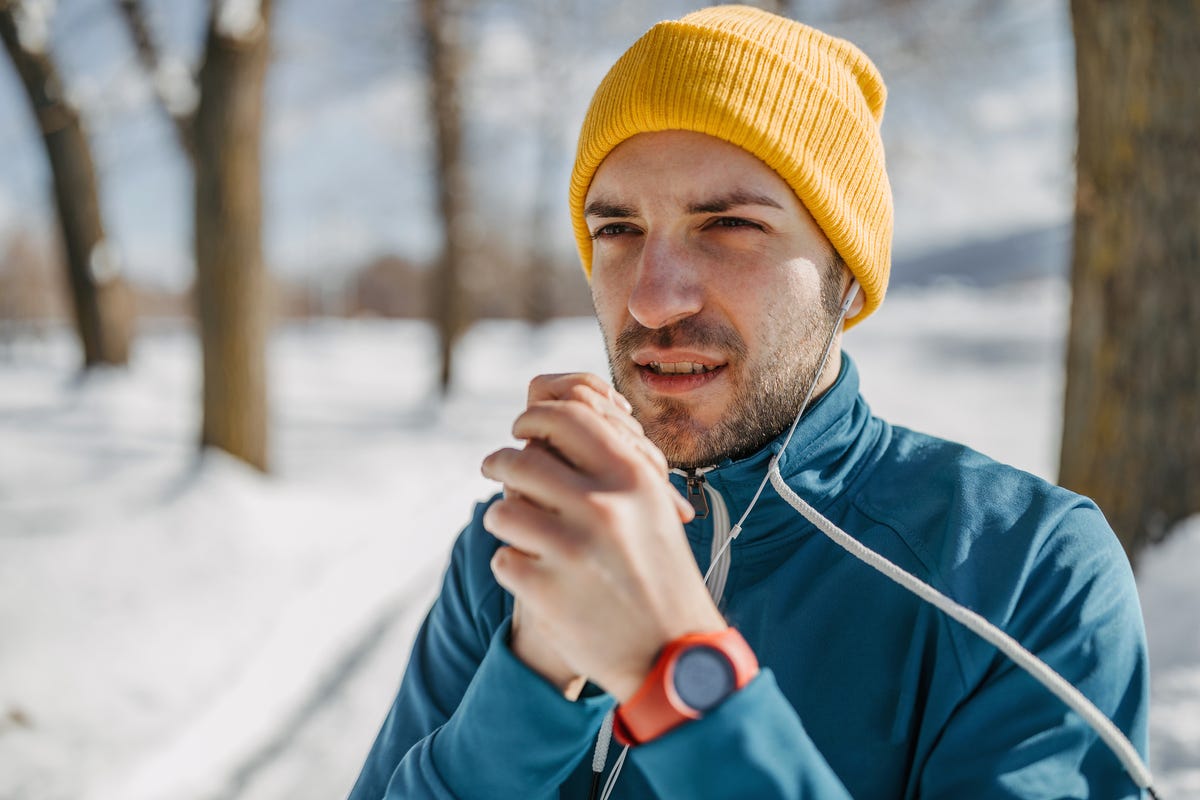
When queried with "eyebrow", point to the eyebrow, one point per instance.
{"points": [[738, 197], [609, 209]]}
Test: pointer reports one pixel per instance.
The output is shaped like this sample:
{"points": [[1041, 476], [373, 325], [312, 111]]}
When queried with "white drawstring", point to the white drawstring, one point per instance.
{"points": [[1042, 672]]}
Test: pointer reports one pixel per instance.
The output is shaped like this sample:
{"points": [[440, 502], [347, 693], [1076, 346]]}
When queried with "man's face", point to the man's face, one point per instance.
{"points": [[715, 291]]}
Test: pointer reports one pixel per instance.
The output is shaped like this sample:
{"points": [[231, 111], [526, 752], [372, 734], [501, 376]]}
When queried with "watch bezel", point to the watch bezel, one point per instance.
{"points": [[682, 668]]}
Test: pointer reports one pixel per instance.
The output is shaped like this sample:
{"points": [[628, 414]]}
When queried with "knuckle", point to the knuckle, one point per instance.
{"points": [[500, 561], [573, 549], [540, 386], [602, 507], [575, 412], [581, 392], [497, 514], [596, 382]]}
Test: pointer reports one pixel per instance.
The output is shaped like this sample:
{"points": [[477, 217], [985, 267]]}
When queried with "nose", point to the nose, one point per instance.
{"points": [[667, 288]]}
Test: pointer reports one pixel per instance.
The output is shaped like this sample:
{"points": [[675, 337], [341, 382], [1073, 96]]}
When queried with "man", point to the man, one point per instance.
{"points": [[732, 208]]}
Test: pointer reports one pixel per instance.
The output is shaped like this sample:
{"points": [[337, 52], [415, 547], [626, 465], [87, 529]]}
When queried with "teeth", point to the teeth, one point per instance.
{"points": [[679, 368]]}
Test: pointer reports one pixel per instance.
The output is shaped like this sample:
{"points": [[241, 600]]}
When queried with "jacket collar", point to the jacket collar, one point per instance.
{"points": [[835, 439]]}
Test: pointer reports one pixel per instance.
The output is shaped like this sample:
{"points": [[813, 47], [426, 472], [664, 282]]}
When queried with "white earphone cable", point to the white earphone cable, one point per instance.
{"points": [[1116, 741]]}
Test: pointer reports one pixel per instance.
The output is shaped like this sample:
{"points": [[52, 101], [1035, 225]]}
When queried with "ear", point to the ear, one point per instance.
{"points": [[860, 300], [851, 284]]}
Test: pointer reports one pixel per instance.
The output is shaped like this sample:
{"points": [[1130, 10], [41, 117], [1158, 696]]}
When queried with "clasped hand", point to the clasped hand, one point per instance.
{"points": [[595, 552]]}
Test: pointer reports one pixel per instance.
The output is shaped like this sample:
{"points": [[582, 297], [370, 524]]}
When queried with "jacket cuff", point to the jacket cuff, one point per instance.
{"points": [[751, 745], [514, 734]]}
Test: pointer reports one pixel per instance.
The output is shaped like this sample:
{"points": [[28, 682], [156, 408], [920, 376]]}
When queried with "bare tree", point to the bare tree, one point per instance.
{"points": [[219, 127], [551, 77], [440, 21], [101, 300], [1131, 432], [174, 86]]}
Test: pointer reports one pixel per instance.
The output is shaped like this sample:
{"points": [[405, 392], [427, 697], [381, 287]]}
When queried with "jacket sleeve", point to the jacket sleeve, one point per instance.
{"points": [[471, 720], [1077, 609], [1075, 606], [752, 745]]}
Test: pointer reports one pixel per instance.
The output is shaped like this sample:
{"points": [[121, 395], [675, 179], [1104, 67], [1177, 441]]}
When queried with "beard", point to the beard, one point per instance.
{"points": [[766, 391]]}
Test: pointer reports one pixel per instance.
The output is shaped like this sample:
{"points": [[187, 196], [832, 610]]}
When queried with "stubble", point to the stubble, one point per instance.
{"points": [[766, 391]]}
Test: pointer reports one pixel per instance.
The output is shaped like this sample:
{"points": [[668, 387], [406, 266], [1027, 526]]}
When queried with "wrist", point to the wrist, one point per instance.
{"points": [[530, 652], [693, 674]]}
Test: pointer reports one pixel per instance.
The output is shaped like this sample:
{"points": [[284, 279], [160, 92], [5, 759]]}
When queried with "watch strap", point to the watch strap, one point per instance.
{"points": [[656, 707]]}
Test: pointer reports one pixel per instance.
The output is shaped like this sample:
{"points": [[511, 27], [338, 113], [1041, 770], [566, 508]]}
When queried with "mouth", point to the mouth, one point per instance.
{"points": [[679, 367], [677, 373]]}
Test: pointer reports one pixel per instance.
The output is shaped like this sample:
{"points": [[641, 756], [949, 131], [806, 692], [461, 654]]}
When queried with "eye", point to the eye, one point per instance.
{"points": [[612, 229], [734, 222]]}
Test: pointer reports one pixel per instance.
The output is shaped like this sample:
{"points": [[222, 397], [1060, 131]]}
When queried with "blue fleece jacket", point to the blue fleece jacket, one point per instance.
{"points": [[865, 692]]}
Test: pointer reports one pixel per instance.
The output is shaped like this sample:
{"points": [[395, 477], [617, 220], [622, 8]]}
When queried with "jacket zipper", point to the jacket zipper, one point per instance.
{"points": [[706, 500], [695, 491]]}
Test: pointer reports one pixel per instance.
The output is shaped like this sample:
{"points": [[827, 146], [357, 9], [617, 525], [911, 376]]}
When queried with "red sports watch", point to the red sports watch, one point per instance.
{"points": [[692, 676]]}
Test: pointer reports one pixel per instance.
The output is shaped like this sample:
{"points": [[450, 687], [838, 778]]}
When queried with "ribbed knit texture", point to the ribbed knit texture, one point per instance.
{"points": [[807, 104]]}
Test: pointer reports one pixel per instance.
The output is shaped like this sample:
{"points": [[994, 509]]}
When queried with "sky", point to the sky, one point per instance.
{"points": [[978, 128]]}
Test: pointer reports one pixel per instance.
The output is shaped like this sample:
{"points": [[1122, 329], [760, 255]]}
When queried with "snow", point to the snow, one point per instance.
{"points": [[185, 627], [32, 18], [239, 19], [176, 86], [104, 262], [1171, 602]]}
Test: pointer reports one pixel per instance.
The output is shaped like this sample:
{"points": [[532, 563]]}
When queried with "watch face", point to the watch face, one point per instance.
{"points": [[703, 677]]}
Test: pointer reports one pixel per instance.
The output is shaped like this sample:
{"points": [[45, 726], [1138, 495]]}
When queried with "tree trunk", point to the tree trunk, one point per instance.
{"points": [[1131, 432], [231, 290], [439, 19], [552, 78], [100, 298]]}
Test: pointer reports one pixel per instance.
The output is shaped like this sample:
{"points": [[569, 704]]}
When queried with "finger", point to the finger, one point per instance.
{"points": [[618, 417], [604, 405], [512, 568], [556, 387], [521, 575], [652, 454], [516, 617], [535, 473], [531, 529], [590, 390], [581, 436], [686, 512]]}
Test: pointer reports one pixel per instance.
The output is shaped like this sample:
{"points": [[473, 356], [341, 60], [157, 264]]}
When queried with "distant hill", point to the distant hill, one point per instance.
{"points": [[1033, 253]]}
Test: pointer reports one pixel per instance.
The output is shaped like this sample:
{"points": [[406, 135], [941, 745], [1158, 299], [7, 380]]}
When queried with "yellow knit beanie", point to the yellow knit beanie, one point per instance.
{"points": [[805, 103]]}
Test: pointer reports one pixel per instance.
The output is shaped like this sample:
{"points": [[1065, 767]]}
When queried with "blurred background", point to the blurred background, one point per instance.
{"points": [[274, 275]]}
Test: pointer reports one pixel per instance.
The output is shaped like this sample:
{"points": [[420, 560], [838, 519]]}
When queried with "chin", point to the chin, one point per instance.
{"points": [[683, 443]]}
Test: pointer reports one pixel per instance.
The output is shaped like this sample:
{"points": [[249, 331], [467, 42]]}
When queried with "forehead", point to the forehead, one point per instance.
{"points": [[684, 168]]}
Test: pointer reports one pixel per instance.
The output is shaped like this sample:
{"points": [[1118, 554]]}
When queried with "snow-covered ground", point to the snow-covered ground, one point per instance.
{"points": [[183, 627]]}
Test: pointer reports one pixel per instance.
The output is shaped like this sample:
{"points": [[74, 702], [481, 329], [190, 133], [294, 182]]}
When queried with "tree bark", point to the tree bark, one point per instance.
{"points": [[231, 281], [102, 304], [1131, 432], [439, 18]]}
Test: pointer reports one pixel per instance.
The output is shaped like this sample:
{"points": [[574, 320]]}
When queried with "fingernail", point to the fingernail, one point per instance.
{"points": [[621, 401]]}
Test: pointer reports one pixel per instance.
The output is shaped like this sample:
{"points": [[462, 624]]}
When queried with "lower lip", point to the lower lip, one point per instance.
{"points": [[678, 384]]}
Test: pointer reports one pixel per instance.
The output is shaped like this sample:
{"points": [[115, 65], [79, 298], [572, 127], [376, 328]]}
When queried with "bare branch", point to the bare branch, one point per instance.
{"points": [[174, 85]]}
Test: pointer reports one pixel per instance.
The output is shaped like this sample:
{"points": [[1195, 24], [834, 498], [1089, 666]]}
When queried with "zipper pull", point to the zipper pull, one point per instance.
{"points": [[695, 493]]}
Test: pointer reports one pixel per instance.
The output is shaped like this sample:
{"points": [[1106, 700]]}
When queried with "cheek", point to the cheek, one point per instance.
{"points": [[778, 312], [610, 309], [610, 289]]}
